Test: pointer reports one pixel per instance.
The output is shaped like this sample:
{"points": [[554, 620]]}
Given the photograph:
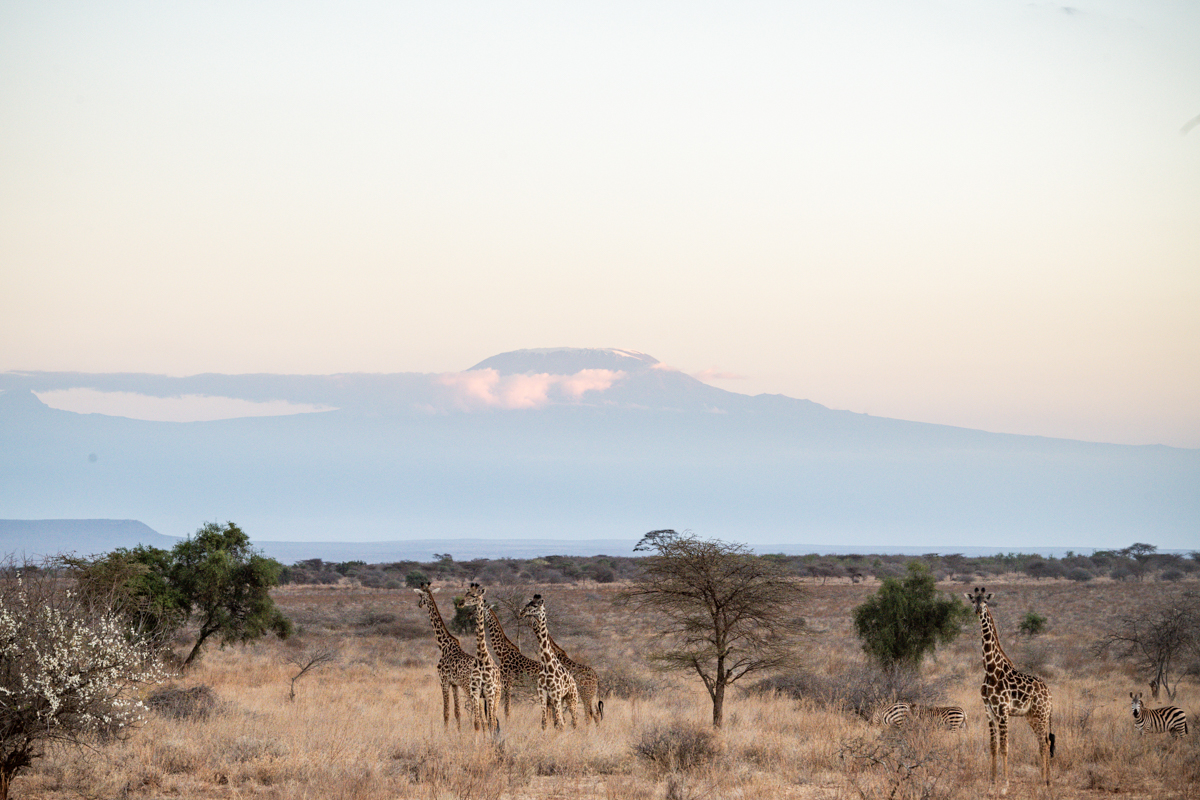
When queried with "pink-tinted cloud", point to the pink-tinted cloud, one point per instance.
{"points": [[472, 389], [485, 388], [526, 391], [588, 380]]}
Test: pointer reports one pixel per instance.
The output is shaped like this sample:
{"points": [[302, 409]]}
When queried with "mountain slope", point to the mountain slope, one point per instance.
{"points": [[410, 457]]}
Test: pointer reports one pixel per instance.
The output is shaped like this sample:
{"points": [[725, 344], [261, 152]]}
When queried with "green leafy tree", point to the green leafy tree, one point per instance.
{"points": [[906, 619], [134, 583], [226, 586]]}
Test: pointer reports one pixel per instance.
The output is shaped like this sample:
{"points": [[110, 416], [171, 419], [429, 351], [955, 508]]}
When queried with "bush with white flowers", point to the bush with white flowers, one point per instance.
{"points": [[68, 672]]}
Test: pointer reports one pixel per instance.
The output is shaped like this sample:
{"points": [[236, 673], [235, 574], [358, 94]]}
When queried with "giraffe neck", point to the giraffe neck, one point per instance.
{"points": [[445, 639], [500, 642], [559, 653], [543, 636], [480, 628], [994, 657]]}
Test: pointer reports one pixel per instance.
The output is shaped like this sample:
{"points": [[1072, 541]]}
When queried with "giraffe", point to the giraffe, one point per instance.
{"points": [[485, 675], [455, 665], [586, 681], [1007, 692], [555, 684], [509, 658]]}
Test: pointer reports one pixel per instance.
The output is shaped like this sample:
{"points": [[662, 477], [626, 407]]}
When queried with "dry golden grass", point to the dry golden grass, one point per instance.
{"points": [[369, 725]]}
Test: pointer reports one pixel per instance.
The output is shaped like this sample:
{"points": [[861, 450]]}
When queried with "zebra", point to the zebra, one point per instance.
{"points": [[950, 717], [1168, 719]]}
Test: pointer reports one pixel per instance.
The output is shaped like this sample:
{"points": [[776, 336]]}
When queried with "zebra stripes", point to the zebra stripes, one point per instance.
{"points": [[1169, 719], [949, 717]]}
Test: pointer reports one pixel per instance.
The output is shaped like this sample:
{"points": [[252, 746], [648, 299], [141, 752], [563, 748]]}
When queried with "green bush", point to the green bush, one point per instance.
{"points": [[1033, 624], [905, 620]]}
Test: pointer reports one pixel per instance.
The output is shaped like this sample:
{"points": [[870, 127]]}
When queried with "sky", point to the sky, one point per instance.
{"points": [[978, 213]]}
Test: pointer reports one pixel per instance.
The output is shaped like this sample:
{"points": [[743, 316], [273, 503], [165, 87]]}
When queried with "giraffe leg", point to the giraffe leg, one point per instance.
{"points": [[992, 743], [1002, 724], [1041, 729], [506, 692], [589, 706], [446, 703], [545, 710], [572, 701], [457, 719], [558, 714]]}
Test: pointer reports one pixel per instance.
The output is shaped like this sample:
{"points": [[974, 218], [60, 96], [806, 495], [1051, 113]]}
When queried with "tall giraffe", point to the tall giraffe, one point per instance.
{"points": [[485, 676], [455, 665], [509, 658], [586, 680], [555, 684], [1007, 692]]}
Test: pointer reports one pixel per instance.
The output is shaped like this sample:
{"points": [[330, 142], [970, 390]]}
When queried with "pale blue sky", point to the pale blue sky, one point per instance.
{"points": [[975, 213]]}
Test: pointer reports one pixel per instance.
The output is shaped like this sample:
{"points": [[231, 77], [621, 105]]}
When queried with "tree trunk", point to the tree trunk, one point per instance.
{"points": [[718, 704], [204, 634]]}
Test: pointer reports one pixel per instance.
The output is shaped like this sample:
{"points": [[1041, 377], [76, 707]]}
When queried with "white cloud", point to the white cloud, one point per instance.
{"points": [[183, 408]]}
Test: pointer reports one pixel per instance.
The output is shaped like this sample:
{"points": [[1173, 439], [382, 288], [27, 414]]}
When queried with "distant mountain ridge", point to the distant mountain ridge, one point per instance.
{"points": [[554, 444], [37, 538], [42, 537]]}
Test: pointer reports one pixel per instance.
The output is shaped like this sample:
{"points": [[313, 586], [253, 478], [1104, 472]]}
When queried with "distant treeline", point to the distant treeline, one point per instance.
{"points": [[1138, 562]]}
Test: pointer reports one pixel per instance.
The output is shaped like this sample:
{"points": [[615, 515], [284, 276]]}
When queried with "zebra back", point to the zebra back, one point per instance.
{"points": [[950, 717], [1168, 719]]}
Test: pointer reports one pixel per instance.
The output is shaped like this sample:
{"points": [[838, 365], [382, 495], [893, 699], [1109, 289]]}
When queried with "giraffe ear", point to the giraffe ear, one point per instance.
{"points": [[969, 596], [435, 590], [989, 596]]}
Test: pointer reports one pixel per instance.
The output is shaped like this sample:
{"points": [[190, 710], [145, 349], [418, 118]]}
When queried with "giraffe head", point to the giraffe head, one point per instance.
{"points": [[978, 600], [1136, 702], [474, 597], [534, 608], [426, 594]]}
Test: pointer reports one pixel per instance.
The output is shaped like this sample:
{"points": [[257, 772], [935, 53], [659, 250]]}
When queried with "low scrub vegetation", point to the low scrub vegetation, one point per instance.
{"points": [[1132, 564], [368, 722]]}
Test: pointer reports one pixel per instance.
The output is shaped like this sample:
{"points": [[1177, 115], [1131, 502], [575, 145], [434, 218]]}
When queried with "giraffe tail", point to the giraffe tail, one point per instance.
{"points": [[1052, 745], [600, 712]]}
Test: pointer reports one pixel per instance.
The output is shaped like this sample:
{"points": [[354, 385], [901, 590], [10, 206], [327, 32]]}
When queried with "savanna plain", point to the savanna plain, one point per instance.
{"points": [[367, 723]]}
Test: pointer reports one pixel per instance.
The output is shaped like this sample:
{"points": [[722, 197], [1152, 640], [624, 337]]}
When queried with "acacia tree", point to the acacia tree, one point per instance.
{"points": [[728, 613], [905, 620], [224, 583], [69, 670], [1158, 640]]}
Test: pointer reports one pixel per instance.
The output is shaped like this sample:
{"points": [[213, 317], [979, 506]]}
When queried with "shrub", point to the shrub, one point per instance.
{"points": [[1033, 624], [68, 671], [194, 703], [677, 747], [1080, 575], [905, 620]]}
